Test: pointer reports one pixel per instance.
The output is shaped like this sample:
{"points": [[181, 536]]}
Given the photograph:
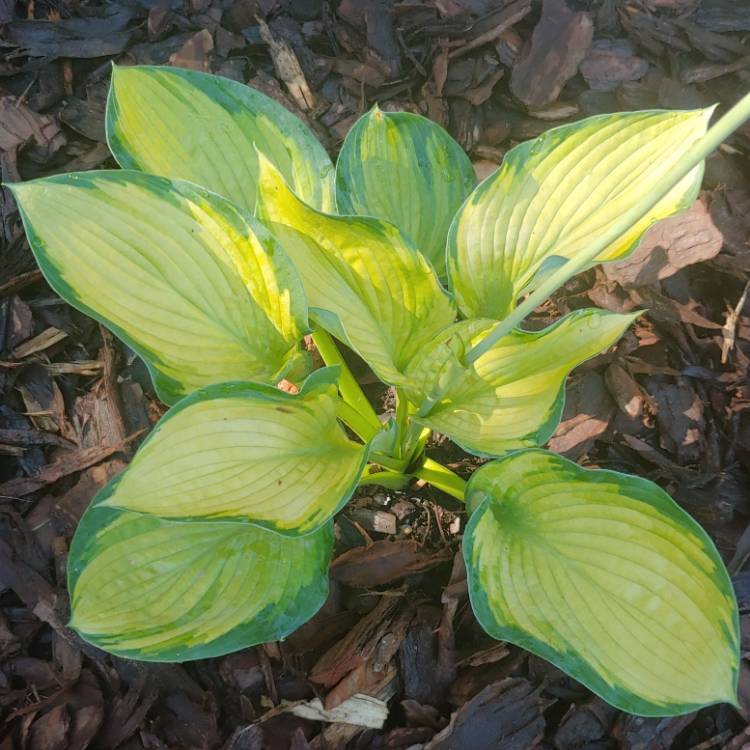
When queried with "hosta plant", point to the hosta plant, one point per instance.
{"points": [[228, 235]]}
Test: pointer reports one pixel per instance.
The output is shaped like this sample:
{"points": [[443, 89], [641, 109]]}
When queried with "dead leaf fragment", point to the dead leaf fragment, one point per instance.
{"points": [[50, 731], [624, 390], [20, 324], [68, 463], [47, 338], [360, 710], [680, 416], [729, 329], [100, 34], [588, 411], [494, 25], [288, 68]]}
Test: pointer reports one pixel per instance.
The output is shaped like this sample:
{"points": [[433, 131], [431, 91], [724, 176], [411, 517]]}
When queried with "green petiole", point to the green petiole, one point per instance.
{"points": [[402, 423], [431, 471], [442, 477], [356, 421], [392, 480], [348, 386]]}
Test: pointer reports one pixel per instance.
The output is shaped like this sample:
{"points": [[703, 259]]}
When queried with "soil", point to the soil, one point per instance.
{"points": [[395, 651]]}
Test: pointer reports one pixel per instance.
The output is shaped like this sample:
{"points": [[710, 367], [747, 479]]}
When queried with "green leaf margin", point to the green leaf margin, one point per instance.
{"points": [[325, 378], [622, 700], [263, 628], [167, 389]]}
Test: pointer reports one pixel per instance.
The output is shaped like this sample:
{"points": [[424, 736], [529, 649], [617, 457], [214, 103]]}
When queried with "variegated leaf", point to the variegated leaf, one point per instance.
{"points": [[554, 195], [247, 452], [198, 288], [157, 590], [603, 575], [204, 128], [406, 169], [512, 396], [365, 284]]}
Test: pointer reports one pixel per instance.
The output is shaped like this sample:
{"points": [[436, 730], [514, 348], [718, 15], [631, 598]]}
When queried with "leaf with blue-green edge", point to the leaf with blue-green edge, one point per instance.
{"points": [[197, 287], [152, 589], [606, 577], [512, 396], [204, 128], [554, 195], [247, 452], [406, 169]]}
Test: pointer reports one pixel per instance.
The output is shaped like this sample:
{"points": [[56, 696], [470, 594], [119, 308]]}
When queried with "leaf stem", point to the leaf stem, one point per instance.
{"points": [[348, 386], [387, 461], [355, 421], [441, 477], [431, 471], [393, 480], [691, 159], [402, 423], [416, 440], [424, 436]]}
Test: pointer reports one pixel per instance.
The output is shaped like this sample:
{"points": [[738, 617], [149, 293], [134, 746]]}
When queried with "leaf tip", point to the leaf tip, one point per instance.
{"points": [[726, 683], [708, 112], [122, 75], [734, 701], [633, 316], [21, 191], [620, 322], [270, 183]]}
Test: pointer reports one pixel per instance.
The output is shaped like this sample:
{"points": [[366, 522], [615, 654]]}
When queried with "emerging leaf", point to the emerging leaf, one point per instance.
{"points": [[199, 289], [250, 453], [364, 283], [552, 196], [406, 169], [606, 577], [204, 128], [512, 396], [157, 590]]}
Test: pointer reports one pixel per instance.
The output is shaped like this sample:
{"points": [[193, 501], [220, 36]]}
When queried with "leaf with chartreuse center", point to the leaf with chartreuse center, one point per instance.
{"points": [[512, 396], [556, 194], [201, 290], [365, 284], [157, 590], [606, 577], [205, 128], [242, 451], [406, 169]]}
